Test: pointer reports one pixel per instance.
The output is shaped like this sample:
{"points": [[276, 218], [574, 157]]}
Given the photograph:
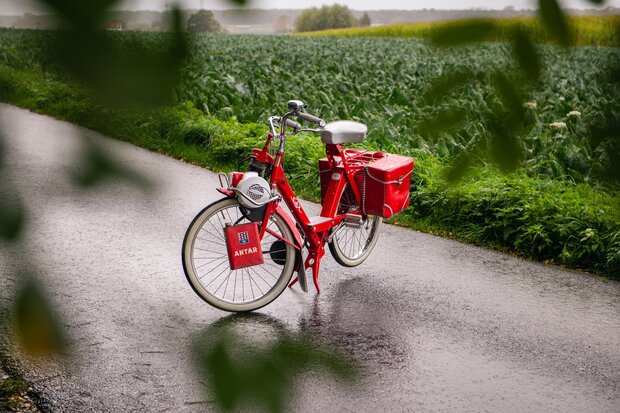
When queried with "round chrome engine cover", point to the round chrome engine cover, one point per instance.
{"points": [[255, 188]]}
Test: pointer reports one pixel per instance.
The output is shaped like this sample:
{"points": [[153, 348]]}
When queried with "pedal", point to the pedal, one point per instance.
{"points": [[353, 221]]}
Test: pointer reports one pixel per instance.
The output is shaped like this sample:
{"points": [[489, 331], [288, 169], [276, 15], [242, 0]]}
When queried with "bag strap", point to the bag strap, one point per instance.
{"points": [[398, 181]]}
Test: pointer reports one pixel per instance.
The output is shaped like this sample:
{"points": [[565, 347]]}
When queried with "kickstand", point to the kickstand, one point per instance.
{"points": [[301, 274]]}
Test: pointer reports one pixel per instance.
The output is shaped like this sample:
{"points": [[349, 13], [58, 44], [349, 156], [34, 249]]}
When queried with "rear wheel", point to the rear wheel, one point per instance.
{"points": [[351, 243], [206, 265]]}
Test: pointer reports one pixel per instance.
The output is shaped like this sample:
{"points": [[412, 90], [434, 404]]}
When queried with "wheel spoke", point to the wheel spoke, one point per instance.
{"points": [[250, 282], [209, 262], [206, 250], [212, 269], [209, 240], [218, 276], [216, 233], [256, 284], [352, 243], [259, 276]]}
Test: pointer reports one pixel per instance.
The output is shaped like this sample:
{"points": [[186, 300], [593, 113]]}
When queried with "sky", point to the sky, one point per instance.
{"points": [[9, 7]]}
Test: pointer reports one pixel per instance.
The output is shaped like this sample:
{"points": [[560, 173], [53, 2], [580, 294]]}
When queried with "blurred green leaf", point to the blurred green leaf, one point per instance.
{"points": [[447, 83], [98, 165], [462, 32], [504, 143], [554, 20], [36, 324], [247, 368], [137, 74], [222, 375], [2, 153], [443, 121], [459, 167], [12, 216], [505, 151], [608, 135], [513, 99], [79, 13], [527, 55]]}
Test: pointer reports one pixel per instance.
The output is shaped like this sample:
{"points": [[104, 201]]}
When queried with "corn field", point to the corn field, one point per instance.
{"points": [[383, 82]]}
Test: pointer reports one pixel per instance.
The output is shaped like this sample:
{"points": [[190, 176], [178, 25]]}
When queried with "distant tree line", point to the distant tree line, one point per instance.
{"points": [[203, 21], [329, 17]]}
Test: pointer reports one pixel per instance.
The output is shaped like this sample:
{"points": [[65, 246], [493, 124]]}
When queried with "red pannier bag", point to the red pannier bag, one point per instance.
{"points": [[243, 245], [384, 185]]}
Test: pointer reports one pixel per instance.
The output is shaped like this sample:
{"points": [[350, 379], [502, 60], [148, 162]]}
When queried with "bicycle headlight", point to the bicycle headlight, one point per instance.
{"points": [[255, 188]]}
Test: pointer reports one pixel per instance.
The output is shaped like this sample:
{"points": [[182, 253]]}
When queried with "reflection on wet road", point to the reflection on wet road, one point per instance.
{"points": [[434, 324]]}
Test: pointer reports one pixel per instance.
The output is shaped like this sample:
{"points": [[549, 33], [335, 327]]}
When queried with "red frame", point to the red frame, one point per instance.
{"points": [[344, 163]]}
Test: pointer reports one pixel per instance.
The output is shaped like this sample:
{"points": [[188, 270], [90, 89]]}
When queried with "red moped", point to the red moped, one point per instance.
{"points": [[240, 252]]}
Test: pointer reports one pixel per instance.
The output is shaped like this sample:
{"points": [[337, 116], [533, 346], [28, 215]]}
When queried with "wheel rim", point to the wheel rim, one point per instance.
{"points": [[208, 259], [353, 243]]}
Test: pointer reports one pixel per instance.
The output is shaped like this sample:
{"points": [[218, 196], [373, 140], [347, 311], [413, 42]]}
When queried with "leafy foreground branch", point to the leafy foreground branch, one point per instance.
{"points": [[576, 225]]}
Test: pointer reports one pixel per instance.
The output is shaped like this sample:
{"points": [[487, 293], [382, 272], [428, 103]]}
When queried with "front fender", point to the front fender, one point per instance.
{"points": [[291, 224]]}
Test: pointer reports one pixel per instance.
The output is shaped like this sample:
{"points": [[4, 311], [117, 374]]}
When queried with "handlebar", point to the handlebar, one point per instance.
{"points": [[292, 124], [295, 110], [310, 118]]}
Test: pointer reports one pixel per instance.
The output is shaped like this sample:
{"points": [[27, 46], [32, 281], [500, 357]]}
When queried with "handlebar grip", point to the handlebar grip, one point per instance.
{"points": [[305, 116], [293, 124]]}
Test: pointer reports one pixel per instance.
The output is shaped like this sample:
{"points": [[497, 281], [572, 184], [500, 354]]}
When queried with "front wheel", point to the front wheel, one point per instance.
{"points": [[352, 243], [206, 265]]}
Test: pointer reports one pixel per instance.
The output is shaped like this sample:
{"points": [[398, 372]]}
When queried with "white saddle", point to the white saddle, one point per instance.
{"points": [[343, 131]]}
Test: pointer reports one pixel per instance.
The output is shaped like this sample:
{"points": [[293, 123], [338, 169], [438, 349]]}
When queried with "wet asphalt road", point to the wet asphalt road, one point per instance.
{"points": [[438, 325]]}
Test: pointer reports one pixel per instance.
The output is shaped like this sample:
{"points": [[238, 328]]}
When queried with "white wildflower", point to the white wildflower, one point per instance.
{"points": [[588, 233], [558, 125], [529, 105], [562, 98], [574, 113]]}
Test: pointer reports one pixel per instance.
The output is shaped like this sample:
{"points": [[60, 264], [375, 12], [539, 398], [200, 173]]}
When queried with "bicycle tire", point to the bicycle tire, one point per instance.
{"points": [[351, 246], [203, 272]]}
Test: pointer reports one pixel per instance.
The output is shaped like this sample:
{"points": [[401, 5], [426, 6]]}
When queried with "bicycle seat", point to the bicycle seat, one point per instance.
{"points": [[343, 131]]}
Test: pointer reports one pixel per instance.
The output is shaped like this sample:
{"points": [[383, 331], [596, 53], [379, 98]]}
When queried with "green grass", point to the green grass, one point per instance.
{"points": [[586, 30]]}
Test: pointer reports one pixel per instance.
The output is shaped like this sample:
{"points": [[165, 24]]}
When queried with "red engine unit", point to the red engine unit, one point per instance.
{"points": [[243, 245]]}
